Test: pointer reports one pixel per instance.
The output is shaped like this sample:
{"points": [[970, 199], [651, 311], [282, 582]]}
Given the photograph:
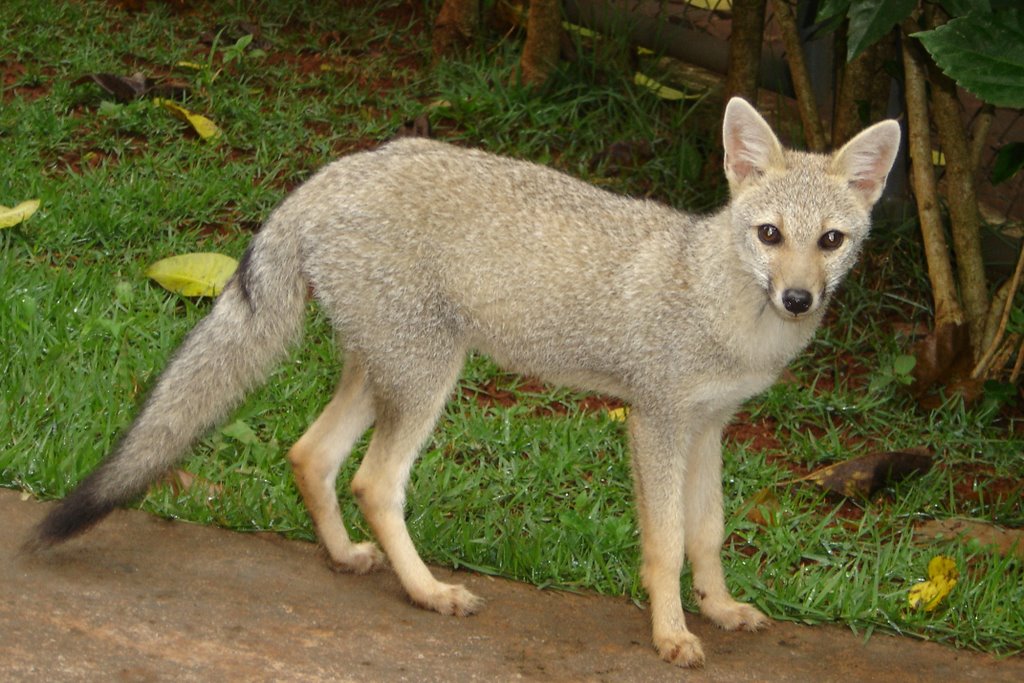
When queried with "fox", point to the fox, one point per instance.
{"points": [[420, 251]]}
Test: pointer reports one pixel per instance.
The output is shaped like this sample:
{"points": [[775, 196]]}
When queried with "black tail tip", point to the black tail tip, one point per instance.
{"points": [[72, 516]]}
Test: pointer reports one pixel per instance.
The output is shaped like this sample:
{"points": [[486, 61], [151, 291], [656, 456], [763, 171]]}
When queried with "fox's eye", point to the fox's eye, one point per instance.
{"points": [[831, 240], [769, 234]]}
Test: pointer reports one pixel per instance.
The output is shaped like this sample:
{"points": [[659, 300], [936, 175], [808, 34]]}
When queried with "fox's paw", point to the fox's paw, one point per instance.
{"points": [[681, 648], [734, 616], [359, 558], [451, 599]]}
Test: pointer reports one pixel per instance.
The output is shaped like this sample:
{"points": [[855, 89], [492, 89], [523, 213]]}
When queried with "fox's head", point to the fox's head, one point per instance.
{"points": [[799, 219]]}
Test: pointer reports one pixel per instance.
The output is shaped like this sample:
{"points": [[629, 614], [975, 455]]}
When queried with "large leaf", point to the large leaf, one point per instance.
{"points": [[194, 274], [872, 19], [984, 53]]}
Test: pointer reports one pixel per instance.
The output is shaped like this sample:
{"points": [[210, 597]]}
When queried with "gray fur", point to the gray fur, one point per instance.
{"points": [[421, 251]]}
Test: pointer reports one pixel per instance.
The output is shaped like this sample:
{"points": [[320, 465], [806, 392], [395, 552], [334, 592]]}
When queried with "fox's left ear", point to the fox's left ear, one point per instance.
{"points": [[865, 161]]}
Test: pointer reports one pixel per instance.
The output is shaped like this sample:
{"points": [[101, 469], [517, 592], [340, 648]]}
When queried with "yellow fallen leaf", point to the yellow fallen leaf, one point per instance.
{"points": [[203, 274], [206, 128], [942, 576], [713, 5], [10, 216], [662, 91], [581, 31], [618, 414], [190, 65]]}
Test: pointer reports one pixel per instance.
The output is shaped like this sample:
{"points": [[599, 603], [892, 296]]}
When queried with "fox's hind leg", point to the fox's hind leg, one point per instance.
{"points": [[316, 459], [406, 414]]}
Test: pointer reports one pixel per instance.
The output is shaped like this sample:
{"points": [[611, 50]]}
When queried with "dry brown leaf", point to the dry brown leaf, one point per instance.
{"points": [[138, 85], [1004, 541], [763, 507], [861, 477], [181, 481], [123, 88]]}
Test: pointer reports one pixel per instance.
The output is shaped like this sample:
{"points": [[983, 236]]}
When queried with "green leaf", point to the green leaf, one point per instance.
{"points": [[241, 432], [1016, 324], [872, 19], [904, 364], [108, 108], [193, 274], [983, 53], [1009, 161]]}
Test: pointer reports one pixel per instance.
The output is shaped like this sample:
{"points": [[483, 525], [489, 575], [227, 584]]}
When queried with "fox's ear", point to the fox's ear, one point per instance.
{"points": [[751, 147], [865, 161]]}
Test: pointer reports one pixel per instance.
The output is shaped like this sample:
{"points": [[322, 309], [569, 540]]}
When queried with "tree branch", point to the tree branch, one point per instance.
{"points": [[979, 134], [986, 358]]}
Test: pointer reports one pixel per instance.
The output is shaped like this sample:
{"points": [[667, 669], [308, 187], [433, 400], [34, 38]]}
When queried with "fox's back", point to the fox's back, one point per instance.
{"points": [[421, 234]]}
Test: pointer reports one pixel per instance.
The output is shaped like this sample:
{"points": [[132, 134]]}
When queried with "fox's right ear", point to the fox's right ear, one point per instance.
{"points": [[865, 161], [751, 147]]}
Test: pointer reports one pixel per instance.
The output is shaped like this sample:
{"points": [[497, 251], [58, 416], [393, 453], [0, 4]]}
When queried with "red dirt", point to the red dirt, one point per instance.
{"points": [[976, 486], [506, 390], [31, 88]]}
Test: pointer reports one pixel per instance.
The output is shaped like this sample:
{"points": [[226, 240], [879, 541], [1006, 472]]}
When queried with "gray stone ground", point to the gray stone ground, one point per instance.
{"points": [[142, 599]]}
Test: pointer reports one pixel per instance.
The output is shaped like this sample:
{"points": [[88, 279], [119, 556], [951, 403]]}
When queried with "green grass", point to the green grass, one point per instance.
{"points": [[516, 491]]}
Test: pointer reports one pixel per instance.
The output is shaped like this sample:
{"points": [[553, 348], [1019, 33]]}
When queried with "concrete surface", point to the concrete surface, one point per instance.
{"points": [[142, 599]]}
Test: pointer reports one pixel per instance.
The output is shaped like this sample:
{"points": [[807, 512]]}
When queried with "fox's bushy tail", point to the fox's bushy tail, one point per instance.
{"points": [[253, 323]]}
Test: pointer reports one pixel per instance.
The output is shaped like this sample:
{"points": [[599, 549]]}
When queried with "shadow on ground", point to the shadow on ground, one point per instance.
{"points": [[142, 599]]}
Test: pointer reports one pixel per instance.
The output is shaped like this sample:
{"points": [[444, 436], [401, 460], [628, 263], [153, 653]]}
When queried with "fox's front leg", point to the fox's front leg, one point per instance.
{"points": [[659, 466], [704, 532]]}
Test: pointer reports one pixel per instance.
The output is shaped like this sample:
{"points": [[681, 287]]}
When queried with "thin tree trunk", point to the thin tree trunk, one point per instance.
{"points": [[809, 116], [860, 86], [745, 49], [962, 200], [455, 26], [940, 270], [543, 38]]}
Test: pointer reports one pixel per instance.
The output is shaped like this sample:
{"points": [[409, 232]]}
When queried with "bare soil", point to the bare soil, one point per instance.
{"points": [[144, 599]]}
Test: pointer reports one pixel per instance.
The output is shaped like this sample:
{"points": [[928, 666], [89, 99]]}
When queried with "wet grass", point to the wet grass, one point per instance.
{"points": [[536, 487]]}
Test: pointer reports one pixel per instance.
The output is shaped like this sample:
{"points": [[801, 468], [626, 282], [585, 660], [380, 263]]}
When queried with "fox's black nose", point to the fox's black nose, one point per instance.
{"points": [[797, 301]]}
